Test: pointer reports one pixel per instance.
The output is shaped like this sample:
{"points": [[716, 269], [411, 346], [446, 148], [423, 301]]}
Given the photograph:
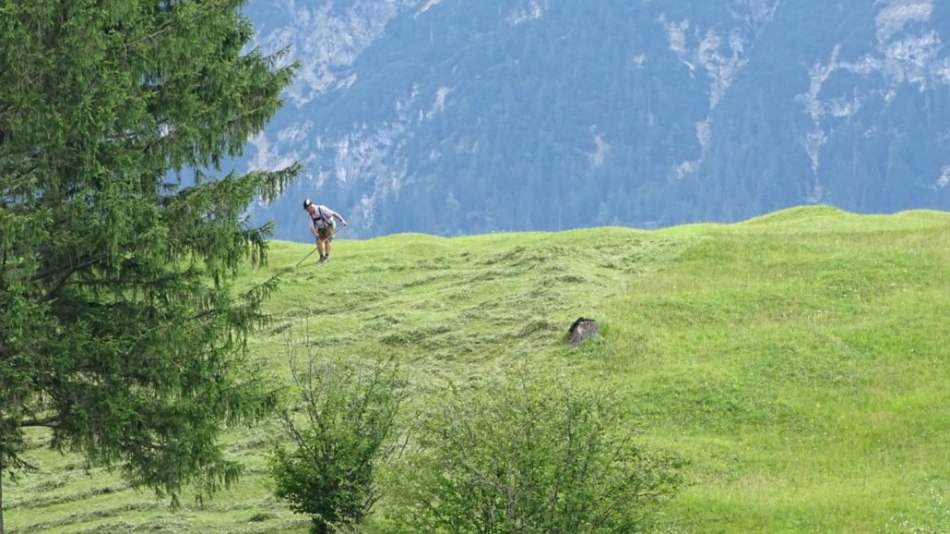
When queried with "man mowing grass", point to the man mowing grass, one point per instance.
{"points": [[322, 226]]}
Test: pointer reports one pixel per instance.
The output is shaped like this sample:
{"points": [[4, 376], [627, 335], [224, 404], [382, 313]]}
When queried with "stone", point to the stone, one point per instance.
{"points": [[582, 329]]}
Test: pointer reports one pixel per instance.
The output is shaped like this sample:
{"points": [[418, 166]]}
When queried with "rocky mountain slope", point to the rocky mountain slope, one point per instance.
{"points": [[458, 116]]}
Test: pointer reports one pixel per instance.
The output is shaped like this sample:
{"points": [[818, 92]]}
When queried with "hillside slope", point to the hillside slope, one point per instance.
{"points": [[798, 359]]}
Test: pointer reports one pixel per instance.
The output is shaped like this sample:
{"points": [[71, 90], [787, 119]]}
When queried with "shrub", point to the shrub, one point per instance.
{"points": [[530, 454], [347, 415]]}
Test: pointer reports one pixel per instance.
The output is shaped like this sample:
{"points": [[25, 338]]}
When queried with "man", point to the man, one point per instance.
{"points": [[322, 226]]}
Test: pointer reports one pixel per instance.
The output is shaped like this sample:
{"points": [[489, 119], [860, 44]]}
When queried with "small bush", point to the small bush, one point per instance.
{"points": [[348, 417], [530, 455]]}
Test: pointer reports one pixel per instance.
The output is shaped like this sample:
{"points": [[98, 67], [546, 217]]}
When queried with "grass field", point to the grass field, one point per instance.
{"points": [[800, 360]]}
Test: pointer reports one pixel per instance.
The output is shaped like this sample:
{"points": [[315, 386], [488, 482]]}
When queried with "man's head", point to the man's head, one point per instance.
{"points": [[308, 205]]}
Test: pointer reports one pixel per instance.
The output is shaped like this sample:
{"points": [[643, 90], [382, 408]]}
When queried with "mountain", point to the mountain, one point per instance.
{"points": [[459, 116]]}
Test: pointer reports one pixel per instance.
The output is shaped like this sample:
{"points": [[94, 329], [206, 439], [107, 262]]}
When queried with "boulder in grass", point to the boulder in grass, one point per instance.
{"points": [[582, 329]]}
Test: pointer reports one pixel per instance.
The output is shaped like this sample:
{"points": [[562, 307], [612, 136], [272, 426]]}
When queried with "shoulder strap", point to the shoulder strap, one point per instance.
{"points": [[321, 216]]}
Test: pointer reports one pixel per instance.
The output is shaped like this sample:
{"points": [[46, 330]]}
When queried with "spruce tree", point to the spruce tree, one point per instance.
{"points": [[120, 234]]}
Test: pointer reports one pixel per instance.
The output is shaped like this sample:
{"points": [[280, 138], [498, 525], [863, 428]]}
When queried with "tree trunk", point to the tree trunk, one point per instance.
{"points": [[1, 493]]}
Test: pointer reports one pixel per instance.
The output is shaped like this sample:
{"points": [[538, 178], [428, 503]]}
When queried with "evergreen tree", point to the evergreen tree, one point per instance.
{"points": [[119, 329]]}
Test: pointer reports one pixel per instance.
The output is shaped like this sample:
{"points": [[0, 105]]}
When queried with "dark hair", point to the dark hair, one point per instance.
{"points": [[307, 203]]}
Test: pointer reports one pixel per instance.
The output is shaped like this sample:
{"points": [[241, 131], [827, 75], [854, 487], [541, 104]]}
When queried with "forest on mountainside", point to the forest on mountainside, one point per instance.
{"points": [[459, 117]]}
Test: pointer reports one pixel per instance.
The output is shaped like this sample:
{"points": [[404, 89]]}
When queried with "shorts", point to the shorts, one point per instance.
{"points": [[327, 232]]}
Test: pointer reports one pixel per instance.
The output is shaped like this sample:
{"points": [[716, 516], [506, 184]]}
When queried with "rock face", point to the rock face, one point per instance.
{"points": [[438, 116], [582, 329]]}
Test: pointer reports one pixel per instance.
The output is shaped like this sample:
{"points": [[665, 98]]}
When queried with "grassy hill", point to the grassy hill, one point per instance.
{"points": [[800, 360]]}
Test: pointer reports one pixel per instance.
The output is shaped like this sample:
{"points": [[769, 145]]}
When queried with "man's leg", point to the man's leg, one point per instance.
{"points": [[320, 248], [331, 231]]}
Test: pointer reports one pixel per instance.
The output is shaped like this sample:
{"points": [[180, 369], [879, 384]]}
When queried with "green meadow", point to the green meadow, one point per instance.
{"points": [[800, 361]]}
